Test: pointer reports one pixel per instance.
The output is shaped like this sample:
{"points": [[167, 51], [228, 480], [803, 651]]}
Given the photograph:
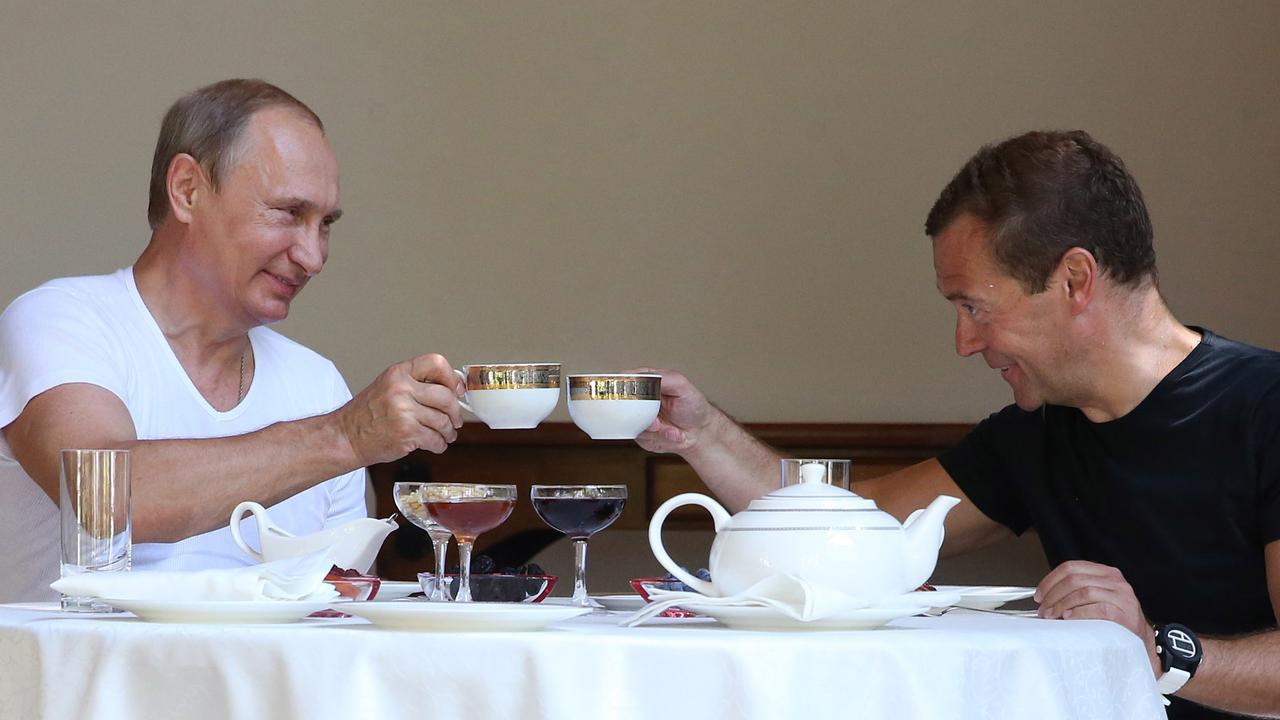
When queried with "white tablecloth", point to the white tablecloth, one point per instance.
{"points": [[960, 665]]}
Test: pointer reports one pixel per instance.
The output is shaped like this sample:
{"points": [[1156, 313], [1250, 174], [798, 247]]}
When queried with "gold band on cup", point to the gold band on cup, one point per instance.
{"points": [[513, 377], [615, 387]]}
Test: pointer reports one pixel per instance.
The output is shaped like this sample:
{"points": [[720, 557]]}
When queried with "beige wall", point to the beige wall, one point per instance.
{"points": [[735, 189]]}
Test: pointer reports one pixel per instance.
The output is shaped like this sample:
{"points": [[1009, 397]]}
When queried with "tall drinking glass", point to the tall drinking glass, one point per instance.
{"points": [[579, 511], [830, 472], [409, 500], [466, 511], [97, 528]]}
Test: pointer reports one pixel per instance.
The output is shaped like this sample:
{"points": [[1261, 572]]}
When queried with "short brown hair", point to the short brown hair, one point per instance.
{"points": [[1044, 193], [207, 125]]}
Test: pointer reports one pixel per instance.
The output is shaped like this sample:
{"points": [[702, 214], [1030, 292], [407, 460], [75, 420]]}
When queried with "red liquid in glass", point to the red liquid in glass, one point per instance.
{"points": [[468, 518]]}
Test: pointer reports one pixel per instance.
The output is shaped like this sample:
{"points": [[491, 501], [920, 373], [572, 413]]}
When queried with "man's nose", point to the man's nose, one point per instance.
{"points": [[968, 339], [310, 249]]}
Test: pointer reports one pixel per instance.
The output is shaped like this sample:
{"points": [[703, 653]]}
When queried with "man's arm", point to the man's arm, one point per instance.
{"points": [[905, 491], [1236, 674], [739, 468], [736, 466], [182, 488]]}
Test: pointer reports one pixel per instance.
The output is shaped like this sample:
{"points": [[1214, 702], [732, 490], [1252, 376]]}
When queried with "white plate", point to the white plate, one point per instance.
{"points": [[396, 589], [223, 611], [451, 617], [987, 597], [766, 618], [622, 603]]}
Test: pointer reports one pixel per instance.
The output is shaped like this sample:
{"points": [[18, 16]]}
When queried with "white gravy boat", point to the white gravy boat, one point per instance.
{"points": [[352, 546]]}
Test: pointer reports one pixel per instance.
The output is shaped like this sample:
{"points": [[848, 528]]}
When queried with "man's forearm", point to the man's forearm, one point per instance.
{"points": [[187, 487], [1239, 674], [736, 466]]}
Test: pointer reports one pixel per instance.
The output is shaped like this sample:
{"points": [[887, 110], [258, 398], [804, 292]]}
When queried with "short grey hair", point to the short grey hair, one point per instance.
{"points": [[207, 124]]}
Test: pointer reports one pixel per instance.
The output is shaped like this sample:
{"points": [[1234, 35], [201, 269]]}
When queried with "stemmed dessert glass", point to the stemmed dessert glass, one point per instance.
{"points": [[466, 511], [579, 511], [409, 500]]}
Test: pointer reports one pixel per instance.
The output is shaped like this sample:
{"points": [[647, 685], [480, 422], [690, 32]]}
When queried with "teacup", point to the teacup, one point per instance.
{"points": [[510, 396], [614, 406]]}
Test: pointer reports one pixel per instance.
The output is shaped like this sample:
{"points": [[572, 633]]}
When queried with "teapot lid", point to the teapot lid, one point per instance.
{"points": [[812, 494]]}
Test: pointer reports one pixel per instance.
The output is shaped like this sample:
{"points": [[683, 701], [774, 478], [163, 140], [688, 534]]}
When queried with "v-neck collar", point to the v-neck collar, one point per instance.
{"points": [[166, 351]]}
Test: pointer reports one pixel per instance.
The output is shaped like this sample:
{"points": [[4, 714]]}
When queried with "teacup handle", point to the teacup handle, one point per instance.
{"points": [[719, 516], [462, 400], [237, 516]]}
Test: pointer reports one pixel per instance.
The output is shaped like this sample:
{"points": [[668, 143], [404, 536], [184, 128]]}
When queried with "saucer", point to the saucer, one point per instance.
{"points": [[396, 589], [986, 597], [937, 599], [224, 611], [761, 617], [748, 617], [620, 603], [460, 617]]}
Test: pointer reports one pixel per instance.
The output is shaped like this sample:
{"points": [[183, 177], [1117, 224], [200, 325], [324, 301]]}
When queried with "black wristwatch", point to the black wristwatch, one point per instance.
{"points": [[1180, 652]]}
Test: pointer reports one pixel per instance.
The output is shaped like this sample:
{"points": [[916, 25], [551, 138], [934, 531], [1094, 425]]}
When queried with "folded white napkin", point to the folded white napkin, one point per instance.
{"points": [[297, 578], [791, 595]]}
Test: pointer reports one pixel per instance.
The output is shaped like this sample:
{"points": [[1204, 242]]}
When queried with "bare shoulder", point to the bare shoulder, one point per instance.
{"points": [[66, 416]]}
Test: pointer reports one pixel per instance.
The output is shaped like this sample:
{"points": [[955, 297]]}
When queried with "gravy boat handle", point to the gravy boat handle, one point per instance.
{"points": [[237, 516]]}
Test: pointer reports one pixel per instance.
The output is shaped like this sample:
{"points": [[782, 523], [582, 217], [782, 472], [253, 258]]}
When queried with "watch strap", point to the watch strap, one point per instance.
{"points": [[1180, 653], [1172, 681]]}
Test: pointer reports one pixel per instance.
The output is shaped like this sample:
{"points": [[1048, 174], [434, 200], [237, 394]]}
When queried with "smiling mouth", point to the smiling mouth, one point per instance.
{"points": [[292, 285]]}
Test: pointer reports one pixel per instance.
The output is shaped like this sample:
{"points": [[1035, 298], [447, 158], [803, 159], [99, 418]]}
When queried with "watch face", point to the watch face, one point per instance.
{"points": [[1179, 648], [1181, 642]]}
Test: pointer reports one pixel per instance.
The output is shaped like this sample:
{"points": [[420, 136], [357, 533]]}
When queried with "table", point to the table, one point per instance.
{"points": [[959, 665]]}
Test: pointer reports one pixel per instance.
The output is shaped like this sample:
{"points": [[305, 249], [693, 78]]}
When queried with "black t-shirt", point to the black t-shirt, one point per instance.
{"points": [[1181, 494]]}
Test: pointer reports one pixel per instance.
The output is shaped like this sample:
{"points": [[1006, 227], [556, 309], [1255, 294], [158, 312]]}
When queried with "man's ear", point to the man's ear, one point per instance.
{"points": [[186, 183], [1078, 271]]}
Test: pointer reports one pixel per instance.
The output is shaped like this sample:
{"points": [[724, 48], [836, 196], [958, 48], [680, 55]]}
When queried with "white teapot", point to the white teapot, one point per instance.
{"points": [[351, 546], [819, 532]]}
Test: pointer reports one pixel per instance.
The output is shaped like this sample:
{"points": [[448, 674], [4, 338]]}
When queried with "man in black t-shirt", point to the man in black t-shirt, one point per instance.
{"points": [[1145, 453]]}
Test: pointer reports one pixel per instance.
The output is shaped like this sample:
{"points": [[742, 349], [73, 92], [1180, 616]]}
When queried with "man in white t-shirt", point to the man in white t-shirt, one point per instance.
{"points": [[171, 358]]}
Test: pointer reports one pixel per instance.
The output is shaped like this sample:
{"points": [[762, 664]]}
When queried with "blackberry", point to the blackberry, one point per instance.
{"points": [[530, 569]]}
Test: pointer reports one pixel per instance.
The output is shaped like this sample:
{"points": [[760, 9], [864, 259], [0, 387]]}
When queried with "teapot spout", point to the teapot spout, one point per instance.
{"points": [[924, 532]]}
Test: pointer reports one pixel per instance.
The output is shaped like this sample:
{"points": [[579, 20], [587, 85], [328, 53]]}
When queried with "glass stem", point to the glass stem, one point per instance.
{"points": [[442, 582], [464, 571], [580, 573]]}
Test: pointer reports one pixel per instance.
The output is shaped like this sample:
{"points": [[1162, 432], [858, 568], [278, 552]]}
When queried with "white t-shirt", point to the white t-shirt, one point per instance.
{"points": [[97, 330]]}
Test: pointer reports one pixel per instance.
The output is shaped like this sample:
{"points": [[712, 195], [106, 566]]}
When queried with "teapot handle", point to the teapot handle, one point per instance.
{"points": [[718, 515], [237, 515]]}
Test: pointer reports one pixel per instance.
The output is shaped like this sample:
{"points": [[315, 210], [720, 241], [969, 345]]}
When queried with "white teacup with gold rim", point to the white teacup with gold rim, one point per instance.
{"points": [[614, 406], [511, 396]]}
